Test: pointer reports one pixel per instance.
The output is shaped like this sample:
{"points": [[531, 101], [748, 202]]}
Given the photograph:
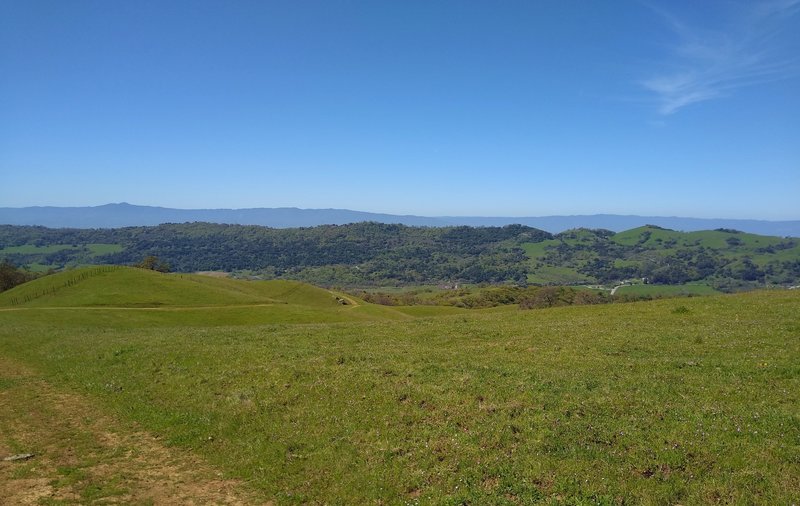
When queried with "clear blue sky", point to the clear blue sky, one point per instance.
{"points": [[513, 108]]}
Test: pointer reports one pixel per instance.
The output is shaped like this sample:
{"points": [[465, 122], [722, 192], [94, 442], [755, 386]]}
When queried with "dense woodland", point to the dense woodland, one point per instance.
{"points": [[374, 254]]}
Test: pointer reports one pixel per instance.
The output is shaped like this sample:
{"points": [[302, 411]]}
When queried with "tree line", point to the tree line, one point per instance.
{"points": [[361, 253], [376, 254]]}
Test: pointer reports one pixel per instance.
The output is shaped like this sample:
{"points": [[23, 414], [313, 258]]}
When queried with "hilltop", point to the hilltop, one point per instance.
{"points": [[724, 258], [182, 298]]}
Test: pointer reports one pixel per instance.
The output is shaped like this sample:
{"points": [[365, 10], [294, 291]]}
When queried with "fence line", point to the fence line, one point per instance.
{"points": [[72, 281]]}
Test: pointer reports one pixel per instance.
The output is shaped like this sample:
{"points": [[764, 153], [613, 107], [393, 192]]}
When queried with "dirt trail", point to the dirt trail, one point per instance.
{"points": [[351, 302], [82, 456]]}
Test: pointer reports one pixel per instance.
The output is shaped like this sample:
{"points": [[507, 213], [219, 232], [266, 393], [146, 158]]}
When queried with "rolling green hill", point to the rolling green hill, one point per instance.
{"points": [[689, 401], [183, 298], [723, 259]]}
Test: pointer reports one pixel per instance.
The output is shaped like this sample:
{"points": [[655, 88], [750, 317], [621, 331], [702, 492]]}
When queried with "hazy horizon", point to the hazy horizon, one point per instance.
{"points": [[367, 211]]}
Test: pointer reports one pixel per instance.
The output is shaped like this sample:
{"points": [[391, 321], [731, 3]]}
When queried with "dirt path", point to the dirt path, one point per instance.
{"points": [[350, 301], [82, 456]]}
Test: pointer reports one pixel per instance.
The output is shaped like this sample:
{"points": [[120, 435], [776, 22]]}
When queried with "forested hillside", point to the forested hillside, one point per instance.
{"points": [[358, 253], [382, 254]]}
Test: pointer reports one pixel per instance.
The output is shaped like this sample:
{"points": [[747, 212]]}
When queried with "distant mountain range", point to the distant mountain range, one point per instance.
{"points": [[126, 215]]}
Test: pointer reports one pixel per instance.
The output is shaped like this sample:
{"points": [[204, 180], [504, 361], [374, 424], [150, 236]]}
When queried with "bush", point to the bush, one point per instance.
{"points": [[548, 296]]}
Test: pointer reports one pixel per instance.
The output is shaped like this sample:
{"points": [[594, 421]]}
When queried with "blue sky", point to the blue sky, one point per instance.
{"points": [[514, 108]]}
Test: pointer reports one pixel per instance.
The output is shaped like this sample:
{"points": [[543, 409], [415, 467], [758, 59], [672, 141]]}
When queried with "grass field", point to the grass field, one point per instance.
{"points": [[32, 249], [537, 250], [547, 274], [666, 290], [550, 274], [139, 297], [750, 245], [94, 249], [673, 401]]}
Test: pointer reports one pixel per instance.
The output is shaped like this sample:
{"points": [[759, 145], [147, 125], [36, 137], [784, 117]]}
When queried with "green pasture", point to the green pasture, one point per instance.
{"points": [[28, 249], [712, 239], [548, 274], [143, 297], [689, 401], [634, 236], [31, 249], [104, 249], [38, 268], [666, 290], [536, 250]]}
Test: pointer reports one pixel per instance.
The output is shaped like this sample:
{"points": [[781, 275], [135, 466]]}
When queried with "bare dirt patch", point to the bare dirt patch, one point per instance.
{"points": [[214, 274], [82, 456]]}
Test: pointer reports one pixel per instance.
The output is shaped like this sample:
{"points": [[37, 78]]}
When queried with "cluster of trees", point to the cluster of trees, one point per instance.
{"points": [[528, 297], [11, 275], [152, 263], [671, 269]]}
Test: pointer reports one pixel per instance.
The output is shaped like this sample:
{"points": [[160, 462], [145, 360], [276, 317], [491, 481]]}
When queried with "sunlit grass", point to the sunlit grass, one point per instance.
{"points": [[689, 401]]}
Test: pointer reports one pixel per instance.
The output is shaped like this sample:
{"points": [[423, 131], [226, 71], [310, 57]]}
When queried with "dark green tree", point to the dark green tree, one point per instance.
{"points": [[151, 262]]}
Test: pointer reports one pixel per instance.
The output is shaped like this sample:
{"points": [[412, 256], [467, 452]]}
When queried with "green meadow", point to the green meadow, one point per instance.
{"points": [[313, 396], [666, 290], [31, 249]]}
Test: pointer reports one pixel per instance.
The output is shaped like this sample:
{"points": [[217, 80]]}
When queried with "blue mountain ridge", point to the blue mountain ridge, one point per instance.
{"points": [[127, 215]]}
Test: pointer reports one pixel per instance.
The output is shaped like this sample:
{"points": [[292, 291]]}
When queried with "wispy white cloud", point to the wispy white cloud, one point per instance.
{"points": [[707, 63]]}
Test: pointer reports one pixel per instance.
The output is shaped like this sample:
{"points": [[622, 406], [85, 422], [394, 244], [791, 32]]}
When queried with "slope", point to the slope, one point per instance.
{"points": [[721, 258], [666, 402], [186, 298]]}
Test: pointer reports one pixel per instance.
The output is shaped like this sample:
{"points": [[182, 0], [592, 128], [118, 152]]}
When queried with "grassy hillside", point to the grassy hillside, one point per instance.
{"points": [[674, 401], [666, 290], [725, 259], [188, 297], [546, 274], [731, 242]]}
